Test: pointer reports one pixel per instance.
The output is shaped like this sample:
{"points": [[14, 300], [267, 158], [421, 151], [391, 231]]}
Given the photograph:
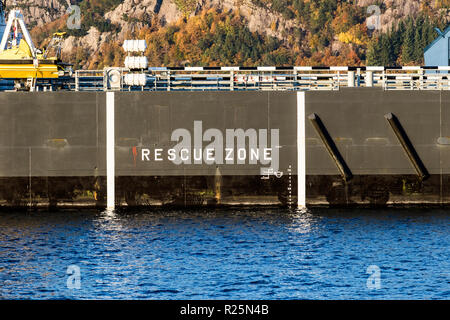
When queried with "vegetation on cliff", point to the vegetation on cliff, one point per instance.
{"points": [[323, 32]]}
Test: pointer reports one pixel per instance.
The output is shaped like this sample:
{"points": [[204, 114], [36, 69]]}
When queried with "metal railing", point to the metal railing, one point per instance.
{"points": [[89, 80], [266, 78]]}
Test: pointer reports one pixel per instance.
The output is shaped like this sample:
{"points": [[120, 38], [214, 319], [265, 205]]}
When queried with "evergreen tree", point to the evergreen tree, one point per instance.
{"points": [[397, 41], [418, 49], [373, 53], [408, 42], [386, 58], [429, 33]]}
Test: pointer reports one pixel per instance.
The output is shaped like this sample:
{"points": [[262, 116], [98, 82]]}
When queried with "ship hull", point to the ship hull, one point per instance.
{"points": [[54, 146]]}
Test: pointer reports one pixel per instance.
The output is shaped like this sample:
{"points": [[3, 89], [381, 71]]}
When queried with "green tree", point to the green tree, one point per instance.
{"points": [[418, 48], [386, 56], [408, 42], [373, 53]]}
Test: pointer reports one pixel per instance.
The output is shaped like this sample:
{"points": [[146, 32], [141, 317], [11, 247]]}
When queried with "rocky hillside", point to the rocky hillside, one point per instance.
{"points": [[241, 32]]}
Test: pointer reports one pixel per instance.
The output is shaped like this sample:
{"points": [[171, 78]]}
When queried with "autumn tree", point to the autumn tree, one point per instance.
{"points": [[186, 6]]}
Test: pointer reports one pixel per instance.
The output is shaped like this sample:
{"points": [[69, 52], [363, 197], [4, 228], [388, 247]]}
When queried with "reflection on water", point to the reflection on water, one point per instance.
{"points": [[246, 253]]}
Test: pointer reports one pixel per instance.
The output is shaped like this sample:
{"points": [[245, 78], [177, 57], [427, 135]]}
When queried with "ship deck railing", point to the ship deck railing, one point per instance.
{"points": [[259, 78]]}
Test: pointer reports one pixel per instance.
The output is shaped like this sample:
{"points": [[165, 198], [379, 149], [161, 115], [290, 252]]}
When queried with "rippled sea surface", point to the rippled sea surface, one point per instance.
{"points": [[226, 254]]}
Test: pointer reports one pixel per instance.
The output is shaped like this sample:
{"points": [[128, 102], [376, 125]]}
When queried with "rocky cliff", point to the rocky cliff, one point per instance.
{"points": [[111, 21]]}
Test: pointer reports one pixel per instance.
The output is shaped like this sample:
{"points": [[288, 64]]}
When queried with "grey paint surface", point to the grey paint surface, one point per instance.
{"points": [[355, 119], [52, 147], [147, 120], [63, 134], [52, 134]]}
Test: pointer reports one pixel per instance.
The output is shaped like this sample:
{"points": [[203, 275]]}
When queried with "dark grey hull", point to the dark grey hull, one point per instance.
{"points": [[53, 148], [323, 190]]}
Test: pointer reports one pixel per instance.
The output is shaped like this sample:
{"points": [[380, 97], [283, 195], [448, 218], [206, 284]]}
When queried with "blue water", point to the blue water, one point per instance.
{"points": [[227, 254]]}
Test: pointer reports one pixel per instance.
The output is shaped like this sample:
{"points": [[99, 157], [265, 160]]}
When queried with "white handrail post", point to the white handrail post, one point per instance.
{"points": [[369, 79], [351, 79]]}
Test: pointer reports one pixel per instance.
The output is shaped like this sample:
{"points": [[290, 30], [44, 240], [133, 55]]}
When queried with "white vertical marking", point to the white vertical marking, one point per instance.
{"points": [[110, 152], [301, 150]]}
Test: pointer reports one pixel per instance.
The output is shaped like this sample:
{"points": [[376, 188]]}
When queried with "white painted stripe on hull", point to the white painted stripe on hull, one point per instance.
{"points": [[110, 144], [301, 151]]}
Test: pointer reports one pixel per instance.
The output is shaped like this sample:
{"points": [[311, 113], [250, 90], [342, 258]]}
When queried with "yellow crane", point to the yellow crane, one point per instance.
{"points": [[20, 59]]}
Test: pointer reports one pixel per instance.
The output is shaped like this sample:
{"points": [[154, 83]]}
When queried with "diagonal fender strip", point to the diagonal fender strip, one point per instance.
{"points": [[407, 146], [331, 147]]}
